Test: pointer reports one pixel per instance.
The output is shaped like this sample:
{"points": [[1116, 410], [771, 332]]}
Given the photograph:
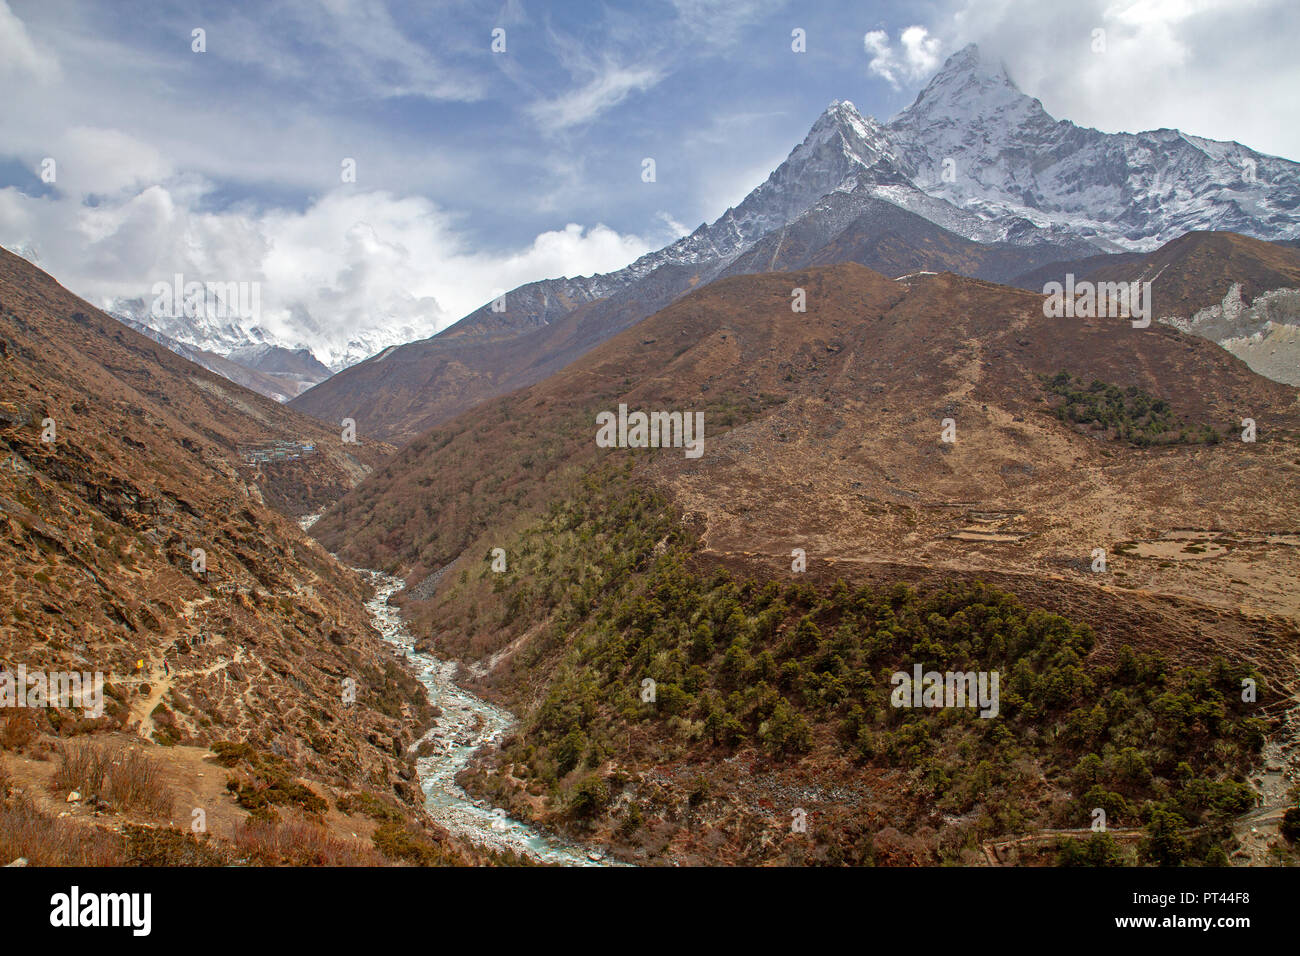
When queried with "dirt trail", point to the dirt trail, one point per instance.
{"points": [[160, 681], [994, 848]]}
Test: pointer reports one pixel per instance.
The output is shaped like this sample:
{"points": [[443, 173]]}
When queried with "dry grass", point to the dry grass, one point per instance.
{"points": [[17, 730], [122, 776], [301, 844], [44, 840]]}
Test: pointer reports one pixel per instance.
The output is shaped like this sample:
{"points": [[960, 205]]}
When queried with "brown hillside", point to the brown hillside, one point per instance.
{"points": [[860, 472], [215, 414], [877, 364], [1193, 271], [728, 349], [824, 433], [402, 393], [98, 531]]}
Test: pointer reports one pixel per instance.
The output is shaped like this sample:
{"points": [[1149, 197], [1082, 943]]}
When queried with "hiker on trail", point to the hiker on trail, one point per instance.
{"points": [[167, 670]]}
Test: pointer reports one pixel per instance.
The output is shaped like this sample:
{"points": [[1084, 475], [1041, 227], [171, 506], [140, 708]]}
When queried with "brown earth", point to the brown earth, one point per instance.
{"points": [[824, 431], [98, 535], [1188, 273]]}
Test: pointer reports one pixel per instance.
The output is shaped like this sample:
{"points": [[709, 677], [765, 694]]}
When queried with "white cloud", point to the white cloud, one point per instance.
{"points": [[920, 51], [611, 85], [675, 228], [97, 161], [368, 52], [1222, 69], [635, 57], [19, 56], [916, 57], [720, 23], [349, 263]]}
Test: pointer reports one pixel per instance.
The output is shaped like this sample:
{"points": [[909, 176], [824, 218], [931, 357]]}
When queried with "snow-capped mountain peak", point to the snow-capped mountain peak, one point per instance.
{"points": [[972, 89], [973, 138], [973, 154], [842, 149], [841, 132]]}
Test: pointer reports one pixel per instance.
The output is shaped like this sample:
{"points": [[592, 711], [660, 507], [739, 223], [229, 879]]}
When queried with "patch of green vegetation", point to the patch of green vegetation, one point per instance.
{"points": [[789, 669], [367, 804], [258, 795], [230, 753], [559, 565], [167, 846], [269, 783], [1100, 849], [389, 686], [589, 797], [397, 841], [1129, 414], [165, 731], [1290, 826]]}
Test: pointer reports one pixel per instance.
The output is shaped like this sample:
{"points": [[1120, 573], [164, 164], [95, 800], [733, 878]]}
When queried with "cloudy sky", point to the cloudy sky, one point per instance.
{"points": [[478, 170]]}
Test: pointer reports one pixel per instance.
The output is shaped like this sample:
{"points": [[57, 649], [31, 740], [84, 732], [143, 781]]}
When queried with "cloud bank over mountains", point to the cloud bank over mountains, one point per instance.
{"points": [[225, 165]]}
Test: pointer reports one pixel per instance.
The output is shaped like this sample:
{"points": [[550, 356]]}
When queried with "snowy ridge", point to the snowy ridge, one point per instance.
{"points": [[1009, 158], [242, 340], [972, 154]]}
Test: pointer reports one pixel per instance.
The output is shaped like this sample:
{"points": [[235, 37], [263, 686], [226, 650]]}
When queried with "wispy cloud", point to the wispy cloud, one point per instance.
{"points": [[720, 24], [20, 58], [348, 49], [916, 56], [612, 84], [619, 56]]}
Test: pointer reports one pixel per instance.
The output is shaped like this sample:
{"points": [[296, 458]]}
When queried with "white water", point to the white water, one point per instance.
{"points": [[467, 723]]}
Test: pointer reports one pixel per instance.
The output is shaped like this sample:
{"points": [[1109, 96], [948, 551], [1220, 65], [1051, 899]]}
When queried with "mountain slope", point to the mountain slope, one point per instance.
{"points": [[845, 169], [823, 432], [999, 187], [851, 227], [280, 387], [738, 341], [134, 543], [1198, 269], [226, 329], [1237, 291], [205, 407]]}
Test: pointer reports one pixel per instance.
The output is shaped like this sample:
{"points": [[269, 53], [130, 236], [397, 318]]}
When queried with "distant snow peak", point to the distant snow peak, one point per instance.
{"points": [[242, 339], [970, 90], [862, 139], [973, 138], [973, 154]]}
